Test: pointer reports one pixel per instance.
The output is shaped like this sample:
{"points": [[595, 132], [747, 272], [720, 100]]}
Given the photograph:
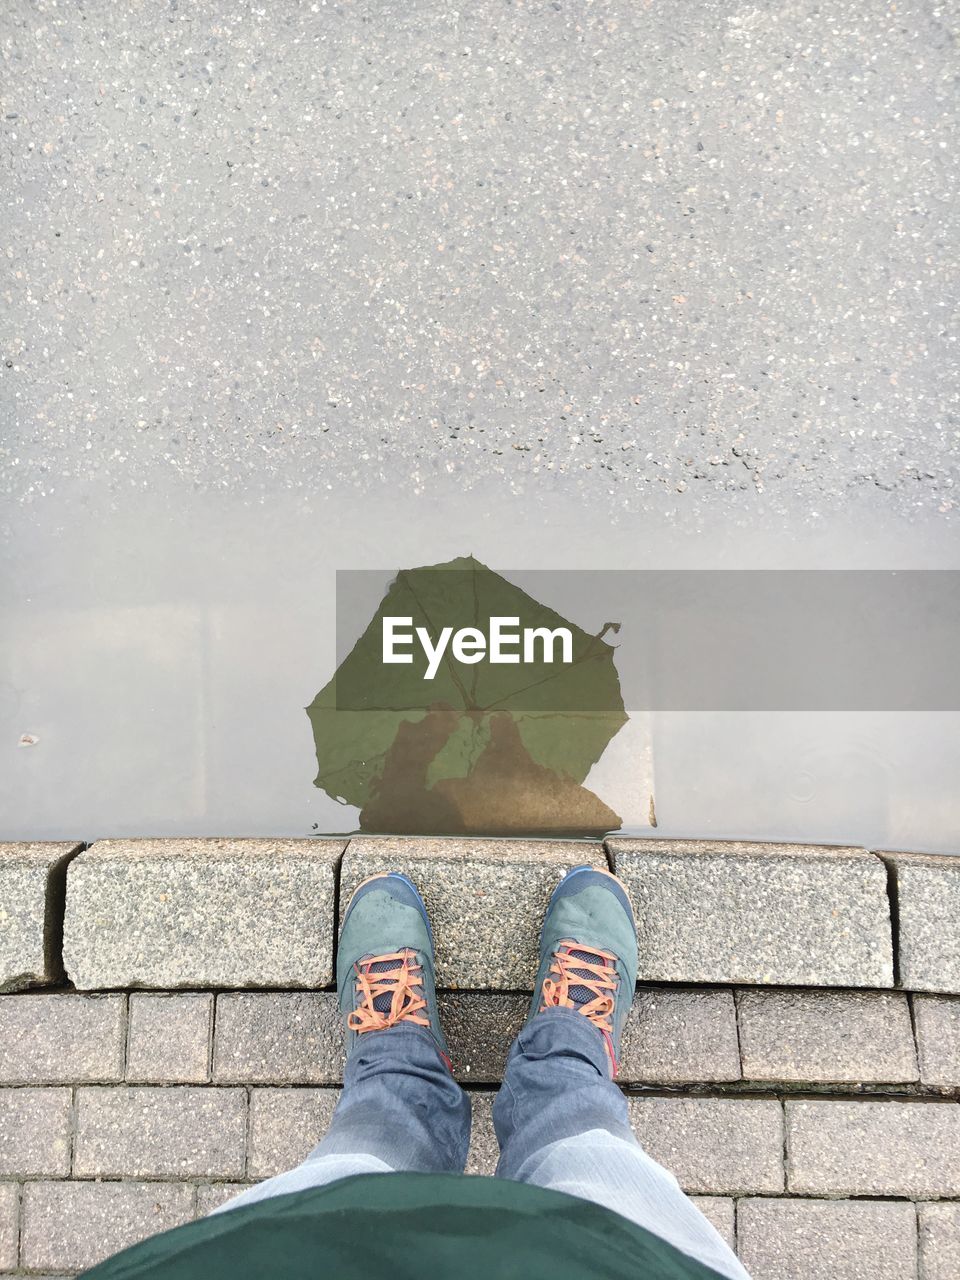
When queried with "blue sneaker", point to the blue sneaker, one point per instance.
{"points": [[588, 954], [385, 961]]}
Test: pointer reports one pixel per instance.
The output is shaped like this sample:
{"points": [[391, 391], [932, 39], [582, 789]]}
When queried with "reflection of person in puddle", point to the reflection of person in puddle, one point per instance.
{"points": [[382, 1196], [504, 791]]}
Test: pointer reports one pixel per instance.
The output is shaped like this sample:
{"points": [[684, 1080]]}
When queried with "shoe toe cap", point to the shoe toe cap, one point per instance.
{"points": [[396, 885]]}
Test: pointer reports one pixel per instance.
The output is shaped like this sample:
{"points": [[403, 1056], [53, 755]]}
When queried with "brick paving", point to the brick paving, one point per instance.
{"points": [[714, 1146], [278, 1038], [938, 1039], [939, 1241], [797, 1239], [810, 1121], [928, 902], [36, 1132], [827, 1037], [885, 1147], [66, 1226], [677, 1036], [144, 1131], [61, 1039], [169, 1038]]}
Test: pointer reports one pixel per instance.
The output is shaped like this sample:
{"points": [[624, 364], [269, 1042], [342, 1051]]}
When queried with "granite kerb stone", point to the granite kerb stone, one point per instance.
{"points": [[32, 895]]}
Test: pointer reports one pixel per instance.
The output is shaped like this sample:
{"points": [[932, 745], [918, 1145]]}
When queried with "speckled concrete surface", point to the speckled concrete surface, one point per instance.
{"points": [[864, 1240], [790, 915], [169, 1038], [928, 899], [875, 1148], [285, 1126], [152, 1132], [35, 1132], [714, 1145], [486, 898], [821, 1037], [939, 1240], [652, 253], [61, 1038], [31, 883], [278, 1038], [680, 1036], [479, 1029], [937, 1020], [194, 913]]}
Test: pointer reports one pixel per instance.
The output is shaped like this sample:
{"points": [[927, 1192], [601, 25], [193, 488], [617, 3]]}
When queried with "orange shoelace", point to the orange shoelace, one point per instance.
{"points": [[591, 975], [389, 990]]}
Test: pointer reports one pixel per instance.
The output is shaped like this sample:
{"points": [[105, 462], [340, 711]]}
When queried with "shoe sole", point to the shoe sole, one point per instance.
{"points": [[393, 875]]}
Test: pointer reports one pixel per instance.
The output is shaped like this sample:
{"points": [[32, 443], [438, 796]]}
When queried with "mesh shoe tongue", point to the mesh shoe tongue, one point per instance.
{"points": [[577, 993], [382, 1002]]}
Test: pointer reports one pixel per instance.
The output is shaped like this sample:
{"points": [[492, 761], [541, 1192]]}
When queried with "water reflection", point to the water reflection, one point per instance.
{"points": [[430, 743], [161, 653]]}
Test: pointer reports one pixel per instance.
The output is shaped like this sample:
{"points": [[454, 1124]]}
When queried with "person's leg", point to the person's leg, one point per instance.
{"points": [[400, 1108], [561, 1122]]}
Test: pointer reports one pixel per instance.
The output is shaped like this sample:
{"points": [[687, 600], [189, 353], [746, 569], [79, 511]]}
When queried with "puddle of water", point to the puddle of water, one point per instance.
{"points": [[595, 306], [158, 654], [880, 779]]}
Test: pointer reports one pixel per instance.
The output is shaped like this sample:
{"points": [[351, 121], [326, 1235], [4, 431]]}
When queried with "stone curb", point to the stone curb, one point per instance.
{"points": [[477, 947], [195, 913], [770, 914], [155, 913], [31, 912]]}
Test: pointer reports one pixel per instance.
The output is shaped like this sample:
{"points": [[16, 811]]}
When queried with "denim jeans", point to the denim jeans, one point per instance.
{"points": [[560, 1121]]}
